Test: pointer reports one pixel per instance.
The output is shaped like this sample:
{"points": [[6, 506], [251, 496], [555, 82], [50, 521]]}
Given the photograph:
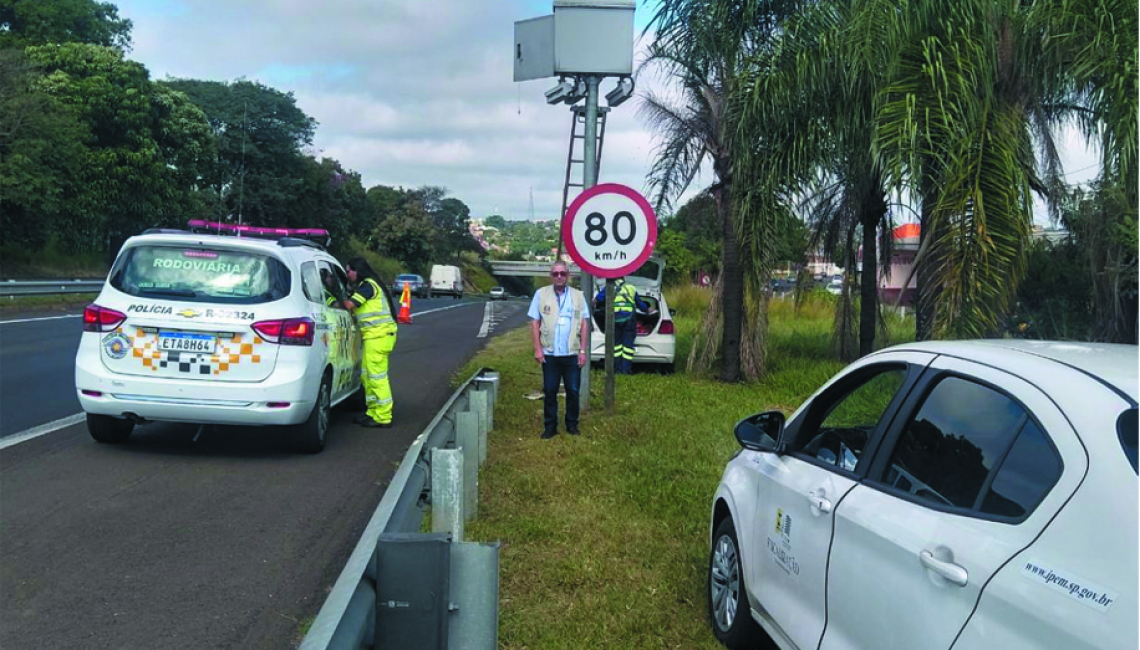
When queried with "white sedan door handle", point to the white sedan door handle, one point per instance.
{"points": [[819, 502], [955, 574]]}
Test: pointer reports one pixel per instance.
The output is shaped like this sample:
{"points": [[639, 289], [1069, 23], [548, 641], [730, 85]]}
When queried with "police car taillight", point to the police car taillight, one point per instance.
{"points": [[290, 331], [666, 327], [101, 319]]}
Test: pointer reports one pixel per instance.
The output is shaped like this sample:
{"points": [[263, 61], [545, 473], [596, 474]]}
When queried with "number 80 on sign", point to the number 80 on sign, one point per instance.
{"points": [[609, 230]]}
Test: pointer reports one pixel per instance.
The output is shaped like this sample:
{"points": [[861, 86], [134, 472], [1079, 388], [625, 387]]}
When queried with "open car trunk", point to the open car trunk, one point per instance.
{"points": [[646, 321]]}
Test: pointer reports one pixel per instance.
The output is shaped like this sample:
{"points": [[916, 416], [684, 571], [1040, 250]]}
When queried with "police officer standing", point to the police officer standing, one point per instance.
{"points": [[372, 306], [625, 324]]}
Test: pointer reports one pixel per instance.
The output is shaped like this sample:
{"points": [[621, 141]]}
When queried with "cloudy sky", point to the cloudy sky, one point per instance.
{"points": [[407, 92], [410, 92]]}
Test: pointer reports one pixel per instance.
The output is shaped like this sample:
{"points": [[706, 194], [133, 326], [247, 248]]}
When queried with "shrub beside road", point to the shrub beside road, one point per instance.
{"points": [[605, 536]]}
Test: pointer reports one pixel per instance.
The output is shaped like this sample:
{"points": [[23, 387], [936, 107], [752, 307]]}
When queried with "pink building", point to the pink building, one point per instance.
{"points": [[903, 249]]}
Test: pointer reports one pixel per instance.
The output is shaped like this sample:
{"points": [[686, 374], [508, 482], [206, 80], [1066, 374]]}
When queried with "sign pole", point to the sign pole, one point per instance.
{"points": [[610, 346], [589, 179]]}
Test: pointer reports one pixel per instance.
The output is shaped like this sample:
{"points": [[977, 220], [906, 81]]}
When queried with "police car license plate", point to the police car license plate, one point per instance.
{"points": [[186, 342]]}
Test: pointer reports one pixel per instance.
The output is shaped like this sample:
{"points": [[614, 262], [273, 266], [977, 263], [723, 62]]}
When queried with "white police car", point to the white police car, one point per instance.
{"points": [[969, 495], [208, 327]]}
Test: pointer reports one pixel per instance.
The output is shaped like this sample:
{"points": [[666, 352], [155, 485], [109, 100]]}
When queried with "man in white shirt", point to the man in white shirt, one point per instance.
{"points": [[560, 328]]}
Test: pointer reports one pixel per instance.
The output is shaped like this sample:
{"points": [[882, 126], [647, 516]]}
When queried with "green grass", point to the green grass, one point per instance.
{"points": [[605, 536], [12, 304]]}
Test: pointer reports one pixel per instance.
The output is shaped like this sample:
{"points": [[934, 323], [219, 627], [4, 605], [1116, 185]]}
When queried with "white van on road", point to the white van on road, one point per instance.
{"points": [[446, 280], [208, 328]]}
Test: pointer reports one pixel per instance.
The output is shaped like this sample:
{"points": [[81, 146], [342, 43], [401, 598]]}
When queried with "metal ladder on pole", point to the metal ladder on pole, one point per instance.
{"points": [[575, 135]]}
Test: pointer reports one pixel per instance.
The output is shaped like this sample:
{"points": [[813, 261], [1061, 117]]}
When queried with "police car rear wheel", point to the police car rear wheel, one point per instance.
{"points": [[105, 428], [309, 436]]}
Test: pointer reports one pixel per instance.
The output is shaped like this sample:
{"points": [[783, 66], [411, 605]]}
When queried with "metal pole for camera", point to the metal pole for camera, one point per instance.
{"points": [[590, 179], [566, 44]]}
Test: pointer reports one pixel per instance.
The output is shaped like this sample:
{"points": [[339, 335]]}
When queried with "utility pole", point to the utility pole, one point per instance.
{"points": [[590, 179]]}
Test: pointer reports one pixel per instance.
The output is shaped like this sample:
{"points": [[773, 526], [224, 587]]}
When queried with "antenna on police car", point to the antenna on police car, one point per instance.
{"points": [[241, 182]]}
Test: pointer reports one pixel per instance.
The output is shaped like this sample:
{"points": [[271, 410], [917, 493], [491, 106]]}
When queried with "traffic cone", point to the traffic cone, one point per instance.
{"points": [[405, 315]]}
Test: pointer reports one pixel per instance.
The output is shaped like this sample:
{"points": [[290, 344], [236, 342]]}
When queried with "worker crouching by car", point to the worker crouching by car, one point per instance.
{"points": [[372, 307], [625, 323]]}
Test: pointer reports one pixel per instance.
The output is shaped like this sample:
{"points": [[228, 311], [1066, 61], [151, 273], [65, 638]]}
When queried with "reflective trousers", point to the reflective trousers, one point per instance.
{"points": [[374, 376], [624, 348]]}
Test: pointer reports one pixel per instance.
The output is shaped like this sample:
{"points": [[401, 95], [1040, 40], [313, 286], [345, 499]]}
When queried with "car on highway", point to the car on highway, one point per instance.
{"points": [[965, 494], [205, 327], [498, 293], [416, 286], [835, 286], [446, 280], [656, 341]]}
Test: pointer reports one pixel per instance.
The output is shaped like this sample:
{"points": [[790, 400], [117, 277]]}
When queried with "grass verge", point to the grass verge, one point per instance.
{"points": [[61, 303], [605, 536]]}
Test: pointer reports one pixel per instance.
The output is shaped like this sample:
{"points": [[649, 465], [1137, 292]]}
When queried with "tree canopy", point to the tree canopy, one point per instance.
{"points": [[40, 22]]}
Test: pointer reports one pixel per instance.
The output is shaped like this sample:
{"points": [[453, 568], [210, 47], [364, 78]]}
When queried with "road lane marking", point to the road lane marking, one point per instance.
{"points": [[463, 304], [33, 320], [488, 314], [43, 429]]}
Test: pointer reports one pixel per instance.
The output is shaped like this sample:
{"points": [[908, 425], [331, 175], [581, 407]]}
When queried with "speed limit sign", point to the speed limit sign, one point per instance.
{"points": [[609, 230]]}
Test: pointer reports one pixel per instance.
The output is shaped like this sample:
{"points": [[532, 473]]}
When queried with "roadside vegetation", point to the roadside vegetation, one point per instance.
{"points": [[605, 536], [22, 304]]}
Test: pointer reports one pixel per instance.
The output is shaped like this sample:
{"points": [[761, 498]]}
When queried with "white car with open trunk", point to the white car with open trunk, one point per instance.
{"points": [[656, 341], [204, 327]]}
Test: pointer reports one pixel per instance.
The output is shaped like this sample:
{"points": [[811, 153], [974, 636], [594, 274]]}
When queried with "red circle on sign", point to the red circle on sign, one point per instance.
{"points": [[576, 206]]}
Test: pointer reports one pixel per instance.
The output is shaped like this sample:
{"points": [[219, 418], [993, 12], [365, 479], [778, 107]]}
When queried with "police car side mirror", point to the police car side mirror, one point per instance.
{"points": [[761, 432]]}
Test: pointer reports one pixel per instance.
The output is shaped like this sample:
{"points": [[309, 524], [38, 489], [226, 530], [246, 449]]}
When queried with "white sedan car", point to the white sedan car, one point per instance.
{"points": [[656, 340], [969, 495]]}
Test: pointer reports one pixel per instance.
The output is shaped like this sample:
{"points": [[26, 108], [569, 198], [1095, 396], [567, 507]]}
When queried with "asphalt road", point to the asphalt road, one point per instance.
{"points": [[175, 539]]}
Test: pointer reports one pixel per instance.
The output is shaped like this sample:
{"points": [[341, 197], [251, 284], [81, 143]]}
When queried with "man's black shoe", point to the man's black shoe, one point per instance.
{"points": [[373, 424], [362, 419], [574, 432], [547, 435]]}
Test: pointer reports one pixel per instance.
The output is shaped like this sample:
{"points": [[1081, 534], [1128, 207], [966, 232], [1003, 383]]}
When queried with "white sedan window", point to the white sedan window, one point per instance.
{"points": [[850, 420], [973, 448]]}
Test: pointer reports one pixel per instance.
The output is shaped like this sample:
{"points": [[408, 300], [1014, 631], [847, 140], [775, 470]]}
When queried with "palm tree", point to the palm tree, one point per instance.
{"points": [[966, 124], [816, 94], [703, 45]]}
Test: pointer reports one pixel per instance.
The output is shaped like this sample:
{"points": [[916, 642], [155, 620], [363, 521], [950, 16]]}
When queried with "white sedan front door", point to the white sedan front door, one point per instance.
{"points": [[962, 485], [799, 491]]}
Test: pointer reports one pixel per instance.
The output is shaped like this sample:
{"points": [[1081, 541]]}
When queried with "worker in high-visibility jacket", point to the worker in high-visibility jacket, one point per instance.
{"points": [[626, 301], [372, 307]]}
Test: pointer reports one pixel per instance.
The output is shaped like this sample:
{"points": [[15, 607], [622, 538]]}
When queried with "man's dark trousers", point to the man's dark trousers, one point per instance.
{"points": [[557, 370], [625, 333]]}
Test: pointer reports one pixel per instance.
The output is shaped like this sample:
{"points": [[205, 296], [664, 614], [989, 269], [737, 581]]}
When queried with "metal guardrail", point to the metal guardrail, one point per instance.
{"points": [[347, 618], [48, 287]]}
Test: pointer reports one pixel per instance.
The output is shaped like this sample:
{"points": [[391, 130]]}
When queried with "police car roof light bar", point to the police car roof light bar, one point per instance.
{"points": [[318, 235]]}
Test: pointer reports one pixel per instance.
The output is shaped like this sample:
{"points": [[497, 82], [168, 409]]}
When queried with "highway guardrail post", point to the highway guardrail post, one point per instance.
{"points": [[467, 438], [447, 492], [474, 594], [481, 404]]}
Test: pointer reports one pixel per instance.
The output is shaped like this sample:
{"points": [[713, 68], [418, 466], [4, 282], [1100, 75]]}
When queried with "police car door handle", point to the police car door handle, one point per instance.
{"points": [[819, 502], [955, 574]]}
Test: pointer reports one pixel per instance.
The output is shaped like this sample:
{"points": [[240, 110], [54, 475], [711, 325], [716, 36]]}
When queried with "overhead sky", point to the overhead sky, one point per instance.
{"points": [[410, 92]]}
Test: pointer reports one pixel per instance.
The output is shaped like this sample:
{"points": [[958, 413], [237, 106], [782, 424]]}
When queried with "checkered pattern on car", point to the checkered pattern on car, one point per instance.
{"points": [[229, 353]]}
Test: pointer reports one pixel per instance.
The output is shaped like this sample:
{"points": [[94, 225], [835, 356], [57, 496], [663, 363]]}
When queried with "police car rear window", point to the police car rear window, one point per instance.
{"points": [[195, 274]]}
